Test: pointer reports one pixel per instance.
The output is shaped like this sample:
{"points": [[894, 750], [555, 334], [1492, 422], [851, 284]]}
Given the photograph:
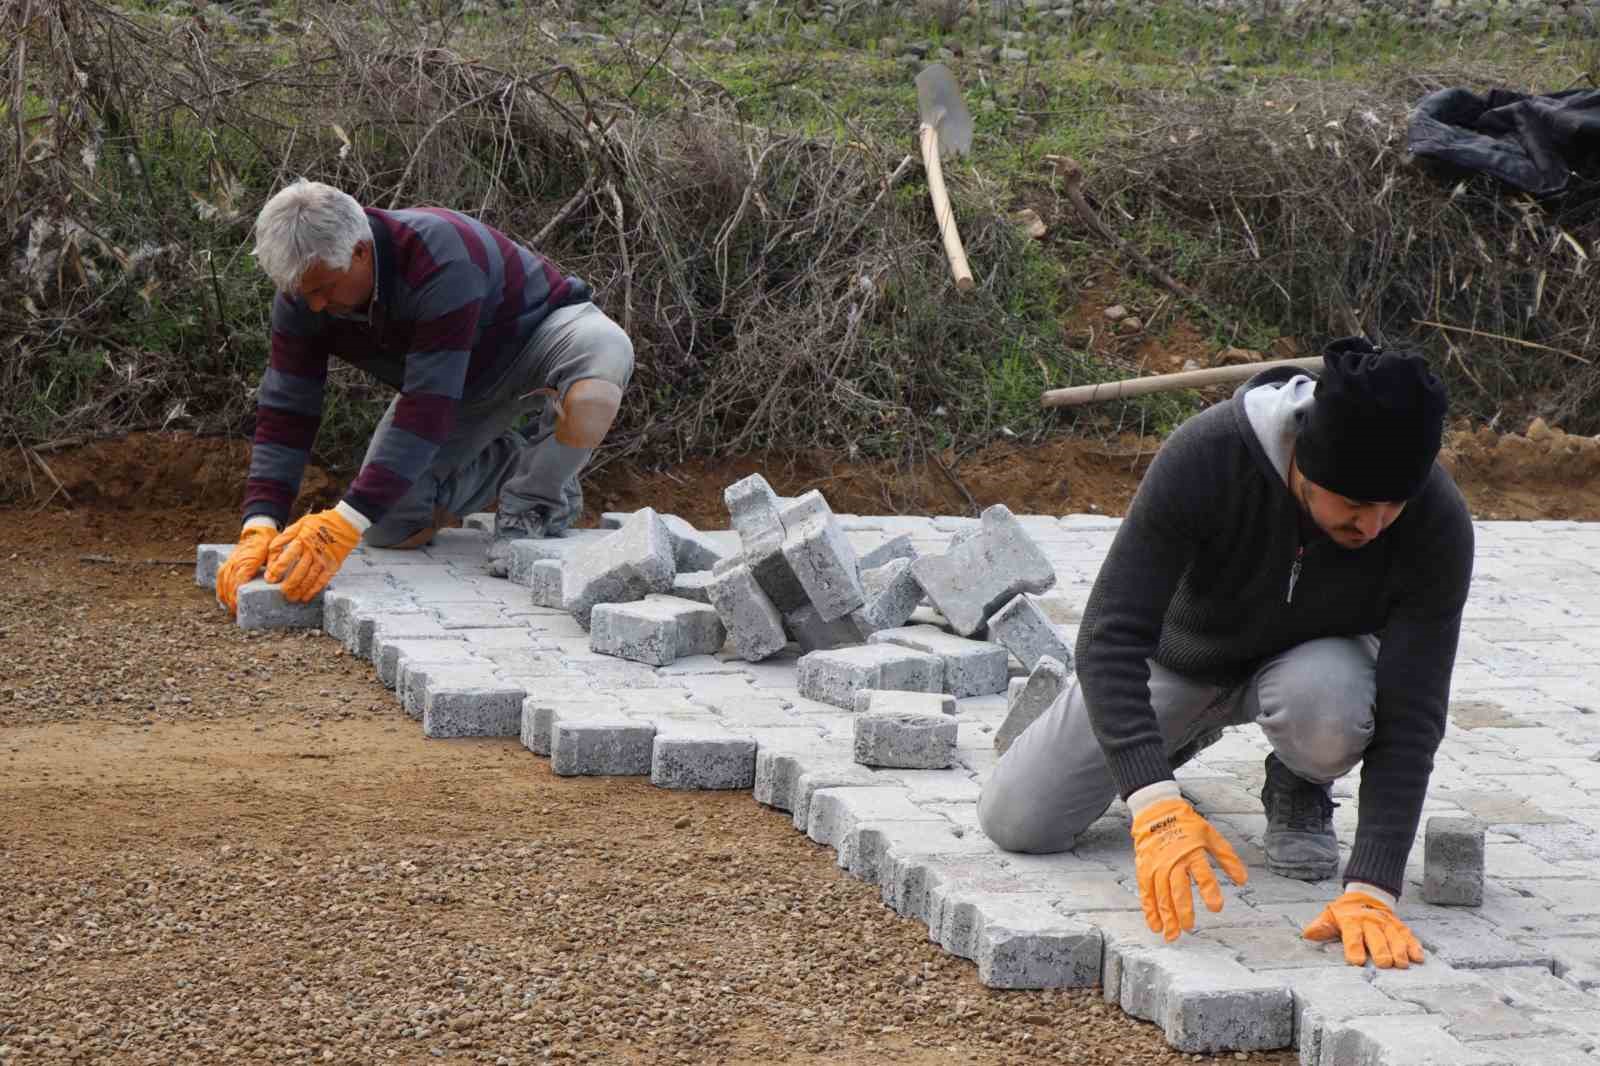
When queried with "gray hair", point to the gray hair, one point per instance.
{"points": [[304, 223]]}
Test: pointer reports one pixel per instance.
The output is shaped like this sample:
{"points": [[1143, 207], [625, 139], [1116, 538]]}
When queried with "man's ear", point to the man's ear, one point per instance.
{"points": [[362, 252]]}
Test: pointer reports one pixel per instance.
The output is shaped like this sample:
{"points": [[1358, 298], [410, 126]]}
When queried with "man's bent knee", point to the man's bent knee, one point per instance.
{"points": [[587, 412], [1317, 709], [1016, 821]]}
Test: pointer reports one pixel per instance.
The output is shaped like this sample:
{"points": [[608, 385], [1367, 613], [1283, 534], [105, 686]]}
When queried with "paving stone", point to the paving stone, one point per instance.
{"points": [[898, 546], [820, 555], [364, 619], [472, 616], [414, 670], [1273, 947], [905, 740], [655, 630], [971, 667], [812, 633], [836, 676], [892, 701], [627, 565], [524, 554], [1025, 943], [779, 767], [892, 595], [208, 559], [692, 549], [262, 606], [540, 711], [615, 747], [339, 607], [693, 585], [1473, 944], [472, 709], [974, 579], [1543, 1050], [755, 512], [1028, 698], [1023, 630], [545, 583], [748, 615], [837, 814], [1403, 1040], [1473, 1013], [825, 773], [1204, 1001], [1536, 988], [1324, 997], [700, 757]]}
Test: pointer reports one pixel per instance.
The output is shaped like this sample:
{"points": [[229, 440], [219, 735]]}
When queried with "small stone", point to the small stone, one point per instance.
{"points": [[682, 822], [1115, 313]]}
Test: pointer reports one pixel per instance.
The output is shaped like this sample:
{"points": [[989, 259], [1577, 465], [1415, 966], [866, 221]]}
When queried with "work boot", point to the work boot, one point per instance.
{"points": [[528, 525], [1300, 842]]}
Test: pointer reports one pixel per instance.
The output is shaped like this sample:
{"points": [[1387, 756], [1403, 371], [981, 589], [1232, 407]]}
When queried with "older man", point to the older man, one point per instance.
{"points": [[1294, 559], [477, 333]]}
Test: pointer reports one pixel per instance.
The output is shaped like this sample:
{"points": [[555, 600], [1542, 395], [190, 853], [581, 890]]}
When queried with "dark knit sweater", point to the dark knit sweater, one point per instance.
{"points": [[1197, 579]]}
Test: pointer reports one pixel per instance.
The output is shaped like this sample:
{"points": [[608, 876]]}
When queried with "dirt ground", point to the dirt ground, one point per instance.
{"points": [[223, 847]]}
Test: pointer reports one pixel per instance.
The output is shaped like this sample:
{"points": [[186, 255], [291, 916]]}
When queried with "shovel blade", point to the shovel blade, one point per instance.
{"points": [[941, 107]]}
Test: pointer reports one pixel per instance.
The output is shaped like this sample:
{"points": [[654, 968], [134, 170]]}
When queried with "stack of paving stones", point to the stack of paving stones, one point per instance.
{"points": [[1500, 887]]}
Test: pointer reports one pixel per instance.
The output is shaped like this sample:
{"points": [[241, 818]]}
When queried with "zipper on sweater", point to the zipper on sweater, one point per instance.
{"points": [[1294, 572]]}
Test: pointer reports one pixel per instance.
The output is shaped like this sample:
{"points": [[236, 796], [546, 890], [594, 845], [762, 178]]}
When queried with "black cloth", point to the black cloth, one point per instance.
{"points": [[1198, 579], [1377, 423], [1535, 143]]}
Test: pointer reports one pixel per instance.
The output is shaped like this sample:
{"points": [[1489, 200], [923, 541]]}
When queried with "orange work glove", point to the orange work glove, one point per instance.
{"points": [[1170, 842], [244, 565], [1368, 926], [304, 557]]}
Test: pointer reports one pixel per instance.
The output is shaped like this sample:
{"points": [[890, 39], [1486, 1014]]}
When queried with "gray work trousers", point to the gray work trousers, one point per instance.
{"points": [[485, 456], [1313, 702]]}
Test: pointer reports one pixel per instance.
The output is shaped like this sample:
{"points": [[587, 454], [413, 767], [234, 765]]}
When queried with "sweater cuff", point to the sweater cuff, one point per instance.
{"points": [[260, 520], [1137, 767], [360, 522], [1144, 797], [1372, 890], [1379, 866]]}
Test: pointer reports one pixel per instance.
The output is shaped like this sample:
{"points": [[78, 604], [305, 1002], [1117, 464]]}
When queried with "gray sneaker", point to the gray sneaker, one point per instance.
{"points": [[1299, 842], [529, 525]]}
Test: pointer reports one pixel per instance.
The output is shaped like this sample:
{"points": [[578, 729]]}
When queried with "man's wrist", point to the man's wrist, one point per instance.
{"points": [[256, 520], [1153, 794], [358, 521], [1387, 898]]}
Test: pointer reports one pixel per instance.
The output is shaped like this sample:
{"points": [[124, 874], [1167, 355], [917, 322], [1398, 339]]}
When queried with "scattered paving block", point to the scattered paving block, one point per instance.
{"points": [[692, 549], [905, 740], [601, 747], [262, 606], [480, 520], [892, 594], [1022, 628], [693, 585], [1028, 698], [820, 555], [891, 701], [627, 565], [754, 510], [472, 708], [208, 559], [897, 547], [809, 630], [1452, 865], [544, 581], [656, 630], [973, 579], [1023, 942], [701, 757], [971, 667], [836, 676], [750, 618]]}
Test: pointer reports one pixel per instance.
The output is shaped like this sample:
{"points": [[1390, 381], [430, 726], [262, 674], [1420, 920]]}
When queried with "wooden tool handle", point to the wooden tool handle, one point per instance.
{"points": [[941, 210], [1188, 379]]}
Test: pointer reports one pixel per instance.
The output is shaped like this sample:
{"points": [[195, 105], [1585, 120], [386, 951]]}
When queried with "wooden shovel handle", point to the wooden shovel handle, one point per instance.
{"points": [[941, 210], [1188, 379]]}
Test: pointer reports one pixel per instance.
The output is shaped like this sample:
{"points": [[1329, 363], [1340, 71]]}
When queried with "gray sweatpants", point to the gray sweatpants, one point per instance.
{"points": [[1314, 702], [485, 457]]}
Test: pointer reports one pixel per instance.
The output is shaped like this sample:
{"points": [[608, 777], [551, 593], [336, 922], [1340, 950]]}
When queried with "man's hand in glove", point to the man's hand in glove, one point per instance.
{"points": [[1170, 843], [304, 557], [1364, 919], [245, 564]]}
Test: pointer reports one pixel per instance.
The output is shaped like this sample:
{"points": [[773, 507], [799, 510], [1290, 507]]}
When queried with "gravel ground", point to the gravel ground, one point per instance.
{"points": [[220, 848]]}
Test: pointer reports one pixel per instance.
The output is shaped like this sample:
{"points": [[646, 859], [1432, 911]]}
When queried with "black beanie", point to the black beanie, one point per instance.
{"points": [[1374, 428]]}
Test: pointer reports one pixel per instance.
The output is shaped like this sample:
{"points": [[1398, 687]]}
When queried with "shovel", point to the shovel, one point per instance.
{"points": [[946, 130]]}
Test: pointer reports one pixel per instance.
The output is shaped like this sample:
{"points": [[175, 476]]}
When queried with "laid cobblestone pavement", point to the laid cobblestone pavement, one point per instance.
{"points": [[1510, 981]]}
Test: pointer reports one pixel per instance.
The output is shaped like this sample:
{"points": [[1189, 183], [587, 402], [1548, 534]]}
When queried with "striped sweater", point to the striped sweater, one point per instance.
{"points": [[1198, 579], [454, 302]]}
